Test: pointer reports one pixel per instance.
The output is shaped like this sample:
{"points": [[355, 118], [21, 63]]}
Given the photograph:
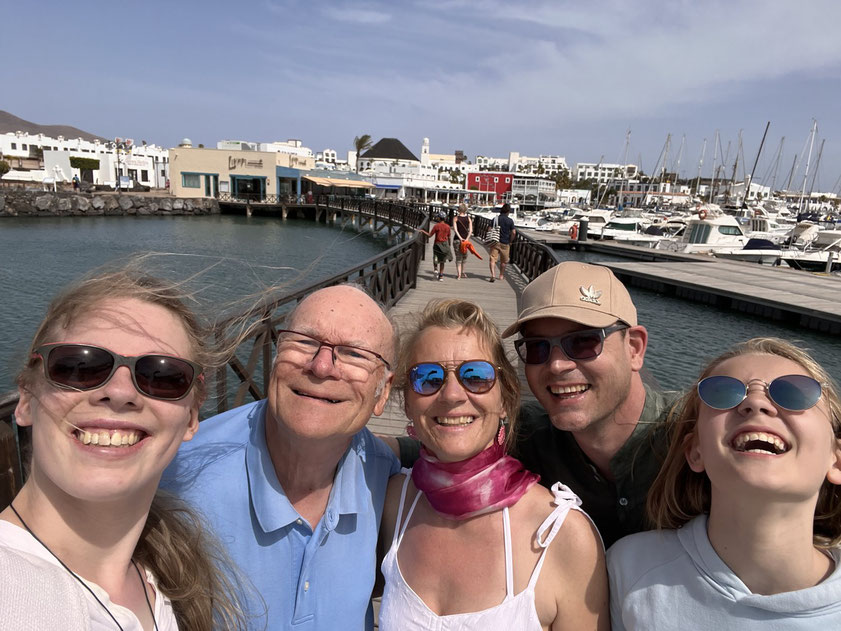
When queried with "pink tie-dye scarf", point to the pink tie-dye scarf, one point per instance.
{"points": [[487, 482]]}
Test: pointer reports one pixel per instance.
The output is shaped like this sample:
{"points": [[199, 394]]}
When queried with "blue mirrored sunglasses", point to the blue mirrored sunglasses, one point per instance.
{"points": [[790, 392], [475, 375]]}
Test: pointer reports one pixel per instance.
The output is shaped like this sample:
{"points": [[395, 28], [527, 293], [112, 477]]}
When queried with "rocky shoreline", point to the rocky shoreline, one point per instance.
{"points": [[70, 204]]}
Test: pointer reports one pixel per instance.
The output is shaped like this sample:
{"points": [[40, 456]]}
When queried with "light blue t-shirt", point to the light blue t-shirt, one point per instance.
{"points": [[674, 579], [309, 579]]}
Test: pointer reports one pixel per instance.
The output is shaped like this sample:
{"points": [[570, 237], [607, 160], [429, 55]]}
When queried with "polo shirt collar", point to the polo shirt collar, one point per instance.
{"points": [[273, 510]]}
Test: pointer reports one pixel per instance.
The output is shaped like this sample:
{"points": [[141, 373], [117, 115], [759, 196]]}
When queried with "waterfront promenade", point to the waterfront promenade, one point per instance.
{"points": [[499, 299]]}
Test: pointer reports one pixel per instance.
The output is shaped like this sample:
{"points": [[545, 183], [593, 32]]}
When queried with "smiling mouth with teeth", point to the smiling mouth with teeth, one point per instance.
{"points": [[108, 438], [312, 396], [454, 420], [576, 389], [760, 443]]}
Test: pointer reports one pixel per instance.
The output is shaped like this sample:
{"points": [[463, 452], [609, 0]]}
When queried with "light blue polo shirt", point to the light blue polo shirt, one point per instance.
{"points": [[309, 579]]}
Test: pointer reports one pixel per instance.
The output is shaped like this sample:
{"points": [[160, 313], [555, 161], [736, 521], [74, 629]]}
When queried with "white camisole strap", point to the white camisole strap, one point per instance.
{"points": [[509, 556], [400, 525], [564, 500]]}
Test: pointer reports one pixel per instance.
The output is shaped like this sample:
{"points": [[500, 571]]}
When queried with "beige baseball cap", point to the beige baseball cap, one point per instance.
{"points": [[587, 294]]}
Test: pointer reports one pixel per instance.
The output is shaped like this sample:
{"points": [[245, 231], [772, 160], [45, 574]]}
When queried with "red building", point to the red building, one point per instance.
{"points": [[497, 182]]}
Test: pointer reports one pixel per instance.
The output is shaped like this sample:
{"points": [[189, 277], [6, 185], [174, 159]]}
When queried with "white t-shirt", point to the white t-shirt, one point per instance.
{"points": [[37, 593], [674, 579]]}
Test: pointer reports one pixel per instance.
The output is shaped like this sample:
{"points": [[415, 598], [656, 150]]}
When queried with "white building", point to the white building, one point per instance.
{"points": [[603, 173], [485, 163], [237, 145], [292, 147], [541, 165], [397, 173], [148, 164], [735, 192], [574, 195], [650, 192], [533, 189]]}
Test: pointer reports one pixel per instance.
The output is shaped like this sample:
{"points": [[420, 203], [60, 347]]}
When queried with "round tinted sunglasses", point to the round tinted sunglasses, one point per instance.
{"points": [[84, 367], [475, 375], [587, 344], [790, 392]]}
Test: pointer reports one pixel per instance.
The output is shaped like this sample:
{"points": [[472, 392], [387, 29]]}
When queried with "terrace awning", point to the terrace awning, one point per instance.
{"points": [[329, 181]]}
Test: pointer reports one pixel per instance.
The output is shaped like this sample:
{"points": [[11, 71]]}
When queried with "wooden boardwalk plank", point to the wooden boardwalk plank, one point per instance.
{"points": [[774, 287]]}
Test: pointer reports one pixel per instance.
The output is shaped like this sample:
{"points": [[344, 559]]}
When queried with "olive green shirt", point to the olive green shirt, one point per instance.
{"points": [[617, 507]]}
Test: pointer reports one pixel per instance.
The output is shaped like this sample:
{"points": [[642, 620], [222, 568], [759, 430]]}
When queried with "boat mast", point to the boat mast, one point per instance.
{"points": [[735, 166], [817, 168], [749, 176], [791, 173], [716, 149], [700, 164], [808, 161], [777, 164]]}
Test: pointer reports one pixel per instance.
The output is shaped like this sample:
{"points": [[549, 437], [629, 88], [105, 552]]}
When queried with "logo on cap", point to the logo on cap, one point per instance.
{"points": [[588, 294]]}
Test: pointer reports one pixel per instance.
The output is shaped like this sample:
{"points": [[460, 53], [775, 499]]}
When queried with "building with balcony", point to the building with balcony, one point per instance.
{"points": [[604, 173]]}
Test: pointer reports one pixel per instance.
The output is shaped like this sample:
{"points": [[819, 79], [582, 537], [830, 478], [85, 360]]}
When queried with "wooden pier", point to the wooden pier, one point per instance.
{"points": [[812, 301]]}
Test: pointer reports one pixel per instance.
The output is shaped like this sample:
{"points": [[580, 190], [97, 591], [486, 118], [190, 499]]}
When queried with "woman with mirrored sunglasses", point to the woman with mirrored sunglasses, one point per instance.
{"points": [[111, 388], [747, 503], [474, 542]]}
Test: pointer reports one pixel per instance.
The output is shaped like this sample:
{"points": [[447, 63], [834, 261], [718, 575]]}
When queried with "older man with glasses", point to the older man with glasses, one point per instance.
{"points": [[597, 427], [294, 484]]}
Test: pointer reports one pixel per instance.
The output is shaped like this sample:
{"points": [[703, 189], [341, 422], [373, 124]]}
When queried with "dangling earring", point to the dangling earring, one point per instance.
{"points": [[500, 437], [410, 430]]}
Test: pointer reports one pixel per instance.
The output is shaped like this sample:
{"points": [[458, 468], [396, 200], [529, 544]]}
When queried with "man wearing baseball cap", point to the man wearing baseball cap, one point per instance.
{"points": [[597, 427]]}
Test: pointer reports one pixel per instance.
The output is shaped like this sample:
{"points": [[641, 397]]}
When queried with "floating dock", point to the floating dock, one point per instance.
{"points": [[798, 298]]}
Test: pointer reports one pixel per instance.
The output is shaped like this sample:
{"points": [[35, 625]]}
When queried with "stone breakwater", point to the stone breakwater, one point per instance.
{"points": [[67, 204]]}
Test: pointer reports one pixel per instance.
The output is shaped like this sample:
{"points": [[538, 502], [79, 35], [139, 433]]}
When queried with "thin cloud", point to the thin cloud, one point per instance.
{"points": [[356, 15]]}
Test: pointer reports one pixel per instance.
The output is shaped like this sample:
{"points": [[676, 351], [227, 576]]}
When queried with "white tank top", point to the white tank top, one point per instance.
{"points": [[403, 610]]}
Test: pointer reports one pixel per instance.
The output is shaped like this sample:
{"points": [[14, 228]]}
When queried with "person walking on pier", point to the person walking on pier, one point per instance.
{"points": [[441, 251], [463, 230], [501, 249], [294, 483]]}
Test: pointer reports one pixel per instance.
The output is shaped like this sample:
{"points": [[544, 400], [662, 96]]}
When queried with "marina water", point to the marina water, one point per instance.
{"points": [[242, 256], [235, 257]]}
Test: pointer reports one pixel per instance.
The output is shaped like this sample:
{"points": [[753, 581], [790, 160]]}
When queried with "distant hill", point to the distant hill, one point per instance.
{"points": [[10, 122]]}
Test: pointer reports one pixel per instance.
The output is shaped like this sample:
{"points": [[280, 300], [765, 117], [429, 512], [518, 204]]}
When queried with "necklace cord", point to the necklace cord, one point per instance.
{"points": [[83, 583]]}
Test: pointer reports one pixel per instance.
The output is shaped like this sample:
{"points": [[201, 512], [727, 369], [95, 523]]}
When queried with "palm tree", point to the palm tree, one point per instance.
{"points": [[361, 143]]}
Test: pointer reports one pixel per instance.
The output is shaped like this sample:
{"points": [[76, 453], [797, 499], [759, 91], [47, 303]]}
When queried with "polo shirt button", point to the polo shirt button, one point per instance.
{"points": [[306, 586], [299, 521], [623, 501]]}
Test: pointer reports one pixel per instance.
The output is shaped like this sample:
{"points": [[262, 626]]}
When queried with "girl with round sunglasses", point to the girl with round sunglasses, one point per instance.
{"points": [[111, 388], [747, 503], [475, 543]]}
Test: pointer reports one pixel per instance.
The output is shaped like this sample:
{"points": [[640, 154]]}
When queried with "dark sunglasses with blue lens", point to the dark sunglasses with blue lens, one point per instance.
{"points": [[475, 375], [790, 392]]}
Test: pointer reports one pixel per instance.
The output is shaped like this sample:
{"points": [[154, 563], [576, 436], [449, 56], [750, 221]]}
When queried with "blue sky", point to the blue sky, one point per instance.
{"points": [[484, 76]]}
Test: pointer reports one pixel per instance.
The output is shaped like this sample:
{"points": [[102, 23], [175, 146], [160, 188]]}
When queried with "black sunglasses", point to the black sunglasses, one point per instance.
{"points": [[587, 344], [790, 392], [84, 367], [475, 375]]}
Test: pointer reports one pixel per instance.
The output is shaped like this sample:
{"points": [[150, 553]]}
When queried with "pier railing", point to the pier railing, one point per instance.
{"points": [[388, 277]]}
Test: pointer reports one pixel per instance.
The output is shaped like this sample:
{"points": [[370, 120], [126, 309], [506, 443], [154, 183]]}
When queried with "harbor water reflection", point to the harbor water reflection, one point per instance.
{"points": [[235, 257]]}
